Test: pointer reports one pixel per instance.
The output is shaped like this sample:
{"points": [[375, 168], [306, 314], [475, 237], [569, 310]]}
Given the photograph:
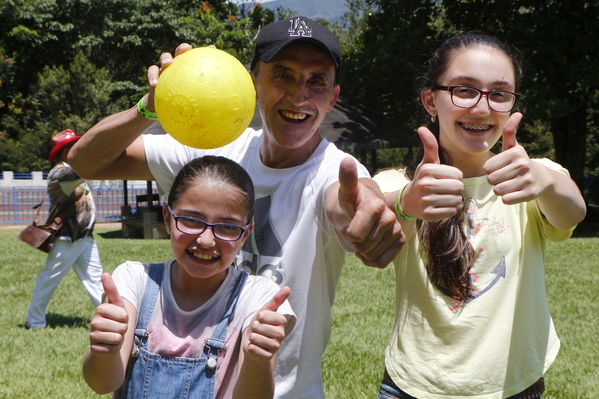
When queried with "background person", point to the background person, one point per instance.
{"points": [[312, 200], [472, 318], [70, 200], [200, 328]]}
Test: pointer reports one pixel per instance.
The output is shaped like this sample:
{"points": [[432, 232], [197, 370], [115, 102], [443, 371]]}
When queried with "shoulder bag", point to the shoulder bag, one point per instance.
{"points": [[40, 236]]}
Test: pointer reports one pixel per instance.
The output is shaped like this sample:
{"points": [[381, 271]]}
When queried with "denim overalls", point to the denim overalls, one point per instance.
{"points": [[154, 376]]}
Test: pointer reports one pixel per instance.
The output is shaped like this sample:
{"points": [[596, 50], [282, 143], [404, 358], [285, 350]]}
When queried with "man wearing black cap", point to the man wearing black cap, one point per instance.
{"points": [[274, 37], [72, 203], [312, 200]]}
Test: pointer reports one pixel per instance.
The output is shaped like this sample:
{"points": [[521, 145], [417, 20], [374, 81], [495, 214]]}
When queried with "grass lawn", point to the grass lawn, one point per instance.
{"points": [[47, 363]]}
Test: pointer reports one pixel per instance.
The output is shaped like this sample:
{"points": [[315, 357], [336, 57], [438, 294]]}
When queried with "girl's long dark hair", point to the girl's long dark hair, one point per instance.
{"points": [[449, 252]]}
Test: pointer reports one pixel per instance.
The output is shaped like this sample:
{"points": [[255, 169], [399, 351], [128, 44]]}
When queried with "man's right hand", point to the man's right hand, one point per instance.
{"points": [[113, 148], [154, 72]]}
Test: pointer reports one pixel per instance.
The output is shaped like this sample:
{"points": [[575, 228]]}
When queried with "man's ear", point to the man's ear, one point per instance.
{"points": [[254, 75], [336, 92]]}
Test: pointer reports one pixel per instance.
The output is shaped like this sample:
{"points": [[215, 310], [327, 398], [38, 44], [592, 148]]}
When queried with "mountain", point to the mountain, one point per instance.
{"points": [[330, 10]]}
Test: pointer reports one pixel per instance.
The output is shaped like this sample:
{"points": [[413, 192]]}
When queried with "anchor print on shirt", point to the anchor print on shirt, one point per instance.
{"points": [[499, 272], [262, 251], [474, 227]]}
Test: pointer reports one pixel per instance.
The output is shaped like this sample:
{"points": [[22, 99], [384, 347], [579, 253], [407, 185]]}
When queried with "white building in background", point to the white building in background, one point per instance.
{"points": [[37, 180]]}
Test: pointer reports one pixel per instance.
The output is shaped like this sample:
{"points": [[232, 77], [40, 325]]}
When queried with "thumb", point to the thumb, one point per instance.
{"points": [[429, 145], [509, 131], [110, 291], [348, 183], [278, 299]]}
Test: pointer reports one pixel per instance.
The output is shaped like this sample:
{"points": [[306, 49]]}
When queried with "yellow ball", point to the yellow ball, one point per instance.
{"points": [[205, 98]]}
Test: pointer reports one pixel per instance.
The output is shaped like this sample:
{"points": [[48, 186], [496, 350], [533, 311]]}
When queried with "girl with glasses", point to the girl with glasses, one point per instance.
{"points": [[472, 318], [194, 326]]}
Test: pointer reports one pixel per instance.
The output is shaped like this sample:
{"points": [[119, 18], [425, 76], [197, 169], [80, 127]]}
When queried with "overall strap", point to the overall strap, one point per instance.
{"points": [[144, 311], [155, 273], [221, 329], [217, 342]]}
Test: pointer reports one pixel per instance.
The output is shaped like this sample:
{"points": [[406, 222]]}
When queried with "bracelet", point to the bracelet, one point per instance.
{"points": [[141, 108], [402, 215]]}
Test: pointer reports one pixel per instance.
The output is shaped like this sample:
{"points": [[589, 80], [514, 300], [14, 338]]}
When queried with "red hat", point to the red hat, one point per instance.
{"points": [[60, 141]]}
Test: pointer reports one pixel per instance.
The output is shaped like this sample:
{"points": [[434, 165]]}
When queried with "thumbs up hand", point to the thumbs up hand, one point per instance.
{"points": [[429, 145], [514, 177], [263, 337], [436, 190], [509, 131], [109, 325], [356, 207], [348, 187]]}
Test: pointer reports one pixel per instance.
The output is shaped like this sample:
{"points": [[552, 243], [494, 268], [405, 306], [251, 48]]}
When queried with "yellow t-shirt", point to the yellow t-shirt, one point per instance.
{"points": [[503, 340]]}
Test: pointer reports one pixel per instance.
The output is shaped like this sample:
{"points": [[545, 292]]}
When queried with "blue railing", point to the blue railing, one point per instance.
{"points": [[22, 176], [16, 203]]}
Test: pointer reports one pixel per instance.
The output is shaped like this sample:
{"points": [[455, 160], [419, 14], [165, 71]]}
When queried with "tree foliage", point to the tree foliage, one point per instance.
{"points": [[557, 40], [68, 63]]}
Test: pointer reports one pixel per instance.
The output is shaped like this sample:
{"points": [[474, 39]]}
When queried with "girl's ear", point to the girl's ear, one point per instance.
{"points": [[166, 216], [428, 101], [247, 233]]}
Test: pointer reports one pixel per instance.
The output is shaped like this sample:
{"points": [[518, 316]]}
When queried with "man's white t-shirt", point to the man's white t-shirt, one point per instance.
{"points": [[293, 243]]}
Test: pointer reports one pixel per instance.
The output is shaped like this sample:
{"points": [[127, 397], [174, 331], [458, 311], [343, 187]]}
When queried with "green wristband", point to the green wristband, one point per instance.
{"points": [[141, 108], [402, 215]]}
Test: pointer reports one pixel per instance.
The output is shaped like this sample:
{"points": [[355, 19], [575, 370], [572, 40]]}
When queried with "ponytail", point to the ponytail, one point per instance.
{"points": [[449, 254]]}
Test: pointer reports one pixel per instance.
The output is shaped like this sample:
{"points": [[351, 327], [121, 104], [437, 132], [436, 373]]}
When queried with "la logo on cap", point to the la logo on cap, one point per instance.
{"points": [[298, 28]]}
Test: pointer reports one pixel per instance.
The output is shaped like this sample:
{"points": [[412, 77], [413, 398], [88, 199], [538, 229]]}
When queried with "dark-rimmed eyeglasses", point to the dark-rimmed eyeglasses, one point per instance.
{"points": [[468, 97], [194, 227]]}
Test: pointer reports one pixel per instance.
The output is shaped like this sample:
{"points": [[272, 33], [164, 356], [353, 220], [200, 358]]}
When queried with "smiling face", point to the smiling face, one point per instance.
{"points": [[468, 134], [205, 257], [295, 91]]}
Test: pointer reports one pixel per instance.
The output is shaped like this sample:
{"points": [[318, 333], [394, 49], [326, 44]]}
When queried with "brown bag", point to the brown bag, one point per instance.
{"points": [[40, 236]]}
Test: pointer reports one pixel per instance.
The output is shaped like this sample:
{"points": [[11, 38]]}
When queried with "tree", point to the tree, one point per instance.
{"points": [[385, 51], [57, 74], [60, 99], [557, 40]]}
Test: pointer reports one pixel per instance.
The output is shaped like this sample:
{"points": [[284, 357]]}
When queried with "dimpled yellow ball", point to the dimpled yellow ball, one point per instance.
{"points": [[205, 98]]}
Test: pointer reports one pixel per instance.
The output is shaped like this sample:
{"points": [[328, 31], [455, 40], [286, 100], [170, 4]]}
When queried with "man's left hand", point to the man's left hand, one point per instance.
{"points": [[367, 223]]}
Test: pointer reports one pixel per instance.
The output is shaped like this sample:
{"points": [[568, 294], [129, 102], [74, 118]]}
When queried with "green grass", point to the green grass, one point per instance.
{"points": [[47, 363]]}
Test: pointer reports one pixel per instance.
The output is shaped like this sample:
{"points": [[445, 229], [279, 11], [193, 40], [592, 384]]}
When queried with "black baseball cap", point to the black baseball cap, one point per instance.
{"points": [[277, 35]]}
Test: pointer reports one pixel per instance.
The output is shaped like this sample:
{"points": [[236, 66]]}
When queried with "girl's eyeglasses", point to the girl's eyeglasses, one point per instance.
{"points": [[468, 97], [195, 227]]}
